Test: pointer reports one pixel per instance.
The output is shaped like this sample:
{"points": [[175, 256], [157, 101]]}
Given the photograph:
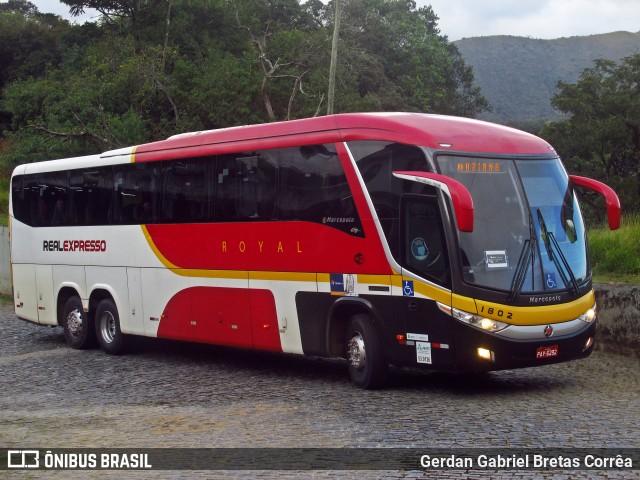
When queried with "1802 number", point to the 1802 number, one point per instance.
{"points": [[498, 312]]}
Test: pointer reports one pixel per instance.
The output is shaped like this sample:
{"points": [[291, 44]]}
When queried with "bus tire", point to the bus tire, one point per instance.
{"points": [[77, 326], [365, 360], [110, 337]]}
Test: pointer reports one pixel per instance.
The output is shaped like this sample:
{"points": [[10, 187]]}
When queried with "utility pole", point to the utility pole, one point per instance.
{"points": [[334, 60]]}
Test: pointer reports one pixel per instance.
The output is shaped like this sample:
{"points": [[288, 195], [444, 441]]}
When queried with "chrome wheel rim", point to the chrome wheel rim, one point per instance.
{"points": [[355, 350], [74, 322], [108, 327]]}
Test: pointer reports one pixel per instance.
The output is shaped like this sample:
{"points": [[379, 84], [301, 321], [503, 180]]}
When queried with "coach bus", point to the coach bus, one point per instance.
{"points": [[385, 239]]}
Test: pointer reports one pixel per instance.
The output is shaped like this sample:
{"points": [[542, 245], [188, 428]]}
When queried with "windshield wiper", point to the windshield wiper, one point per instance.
{"points": [[550, 244], [528, 250]]}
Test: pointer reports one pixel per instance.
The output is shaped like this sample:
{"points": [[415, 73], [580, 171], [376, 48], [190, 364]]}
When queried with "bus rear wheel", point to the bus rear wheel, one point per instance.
{"points": [[78, 330], [365, 360], [110, 337]]}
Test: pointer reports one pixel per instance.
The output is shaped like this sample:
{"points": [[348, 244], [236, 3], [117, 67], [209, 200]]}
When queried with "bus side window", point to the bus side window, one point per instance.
{"points": [[91, 196], [20, 200], [186, 191], [246, 187], [313, 187], [424, 250], [30, 200], [52, 199], [300, 185], [376, 162], [135, 194]]}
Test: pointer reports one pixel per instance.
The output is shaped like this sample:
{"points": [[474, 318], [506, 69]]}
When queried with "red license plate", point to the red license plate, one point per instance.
{"points": [[547, 352]]}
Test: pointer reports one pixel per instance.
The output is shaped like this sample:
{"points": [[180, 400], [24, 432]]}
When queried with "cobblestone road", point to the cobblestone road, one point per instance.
{"points": [[167, 394]]}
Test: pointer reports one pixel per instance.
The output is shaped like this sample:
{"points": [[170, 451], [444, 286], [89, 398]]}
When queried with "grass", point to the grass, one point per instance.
{"points": [[615, 255]]}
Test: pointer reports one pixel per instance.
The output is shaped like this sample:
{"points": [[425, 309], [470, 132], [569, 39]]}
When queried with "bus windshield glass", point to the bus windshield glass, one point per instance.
{"points": [[528, 232]]}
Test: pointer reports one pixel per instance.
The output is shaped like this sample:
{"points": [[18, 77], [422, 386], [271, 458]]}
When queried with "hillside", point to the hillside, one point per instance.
{"points": [[518, 75]]}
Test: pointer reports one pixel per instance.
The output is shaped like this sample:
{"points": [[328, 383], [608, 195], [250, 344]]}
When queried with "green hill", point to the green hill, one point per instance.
{"points": [[518, 75]]}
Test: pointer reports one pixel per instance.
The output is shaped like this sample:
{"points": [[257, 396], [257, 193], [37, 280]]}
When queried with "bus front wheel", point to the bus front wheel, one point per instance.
{"points": [[78, 330], [365, 360], [108, 331]]}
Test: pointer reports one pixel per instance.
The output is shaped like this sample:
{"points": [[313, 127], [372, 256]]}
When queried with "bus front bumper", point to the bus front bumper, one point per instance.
{"points": [[478, 351]]}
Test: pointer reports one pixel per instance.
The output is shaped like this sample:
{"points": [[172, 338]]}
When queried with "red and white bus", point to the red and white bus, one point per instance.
{"points": [[394, 238]]}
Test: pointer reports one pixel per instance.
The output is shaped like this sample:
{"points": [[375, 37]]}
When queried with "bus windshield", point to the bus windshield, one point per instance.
{"points": [[528, 235]]}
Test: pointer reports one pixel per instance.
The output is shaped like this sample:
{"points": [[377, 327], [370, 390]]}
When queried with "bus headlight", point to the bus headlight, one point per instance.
{"points": [[477, 321], [590, 315]]}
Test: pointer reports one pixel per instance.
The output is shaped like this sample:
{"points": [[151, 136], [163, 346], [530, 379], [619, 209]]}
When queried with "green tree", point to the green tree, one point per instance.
{"points": [[401, 61], [602, 136], [152, 68], [288, 48], [103, 97], [28, 44]]}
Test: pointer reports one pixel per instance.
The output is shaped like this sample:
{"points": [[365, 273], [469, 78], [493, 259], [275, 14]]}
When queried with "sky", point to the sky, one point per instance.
{"points": [[526, 18]]}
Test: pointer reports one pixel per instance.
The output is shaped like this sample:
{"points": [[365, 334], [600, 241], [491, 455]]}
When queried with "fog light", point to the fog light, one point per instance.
{"points": [[486, 354], [587, 345]]}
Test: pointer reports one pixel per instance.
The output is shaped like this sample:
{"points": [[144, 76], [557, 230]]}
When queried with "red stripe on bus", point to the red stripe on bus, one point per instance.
{"points": [[269, 246]]}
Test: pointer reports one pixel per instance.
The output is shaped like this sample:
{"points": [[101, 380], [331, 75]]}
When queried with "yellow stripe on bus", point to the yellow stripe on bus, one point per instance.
{"points": [[536, 314], [515, 315], [157, 252]]}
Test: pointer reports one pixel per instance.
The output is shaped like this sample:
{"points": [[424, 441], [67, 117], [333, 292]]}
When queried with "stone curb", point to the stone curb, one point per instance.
{"points": [[618, 327]]}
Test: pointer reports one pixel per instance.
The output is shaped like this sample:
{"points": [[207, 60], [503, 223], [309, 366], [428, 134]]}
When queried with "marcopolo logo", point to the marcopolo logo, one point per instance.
{"points": [[74, 246]]}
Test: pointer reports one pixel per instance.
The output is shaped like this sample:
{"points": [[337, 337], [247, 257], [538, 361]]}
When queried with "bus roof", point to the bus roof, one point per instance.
{"points": [[435, 131]]}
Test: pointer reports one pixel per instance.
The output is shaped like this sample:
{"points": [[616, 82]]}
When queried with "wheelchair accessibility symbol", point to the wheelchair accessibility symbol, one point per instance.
{"points": [[550, 280], [407, 288]]}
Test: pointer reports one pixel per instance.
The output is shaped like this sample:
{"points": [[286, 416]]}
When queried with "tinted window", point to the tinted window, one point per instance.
{"points": [[135, 199], [423, 244], [44, 201], [246, 186], [187, 195], [91, 192], [313, 187], [303, 183], [17, 199], [376, 162]]}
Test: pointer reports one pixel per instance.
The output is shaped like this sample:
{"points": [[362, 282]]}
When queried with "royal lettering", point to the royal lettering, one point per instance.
{"points": [[260, 246]]}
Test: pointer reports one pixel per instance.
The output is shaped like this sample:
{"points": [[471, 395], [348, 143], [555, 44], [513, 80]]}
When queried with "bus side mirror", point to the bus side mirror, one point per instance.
{"points": [[612, 200], [456, 191]]}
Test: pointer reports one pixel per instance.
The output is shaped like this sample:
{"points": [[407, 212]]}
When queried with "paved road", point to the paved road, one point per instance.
{"points": [[167, 394]]}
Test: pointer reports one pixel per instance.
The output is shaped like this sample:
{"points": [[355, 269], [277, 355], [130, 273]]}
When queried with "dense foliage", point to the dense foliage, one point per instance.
{"points": [[601, 138], [152, 68]]}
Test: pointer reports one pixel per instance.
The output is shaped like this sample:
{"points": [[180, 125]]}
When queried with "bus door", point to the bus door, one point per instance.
{"points": [[425, 256]]}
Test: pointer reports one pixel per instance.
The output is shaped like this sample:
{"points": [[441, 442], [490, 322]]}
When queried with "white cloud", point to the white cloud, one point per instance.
{"points": [[534, 18], [59, 8]]}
